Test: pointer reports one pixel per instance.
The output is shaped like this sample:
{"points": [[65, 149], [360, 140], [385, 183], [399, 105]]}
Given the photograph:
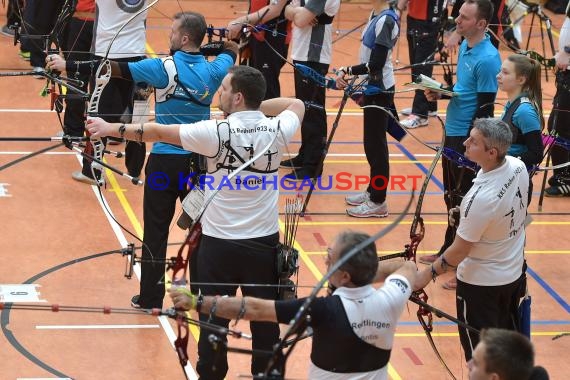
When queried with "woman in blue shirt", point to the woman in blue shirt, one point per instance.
{"points": [[519, 78]]}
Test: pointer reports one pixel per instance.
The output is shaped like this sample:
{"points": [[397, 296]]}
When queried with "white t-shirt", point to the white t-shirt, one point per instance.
{"points": [[493, 214], [373, 315], [314, 43], [111, 15], [241, 211]]}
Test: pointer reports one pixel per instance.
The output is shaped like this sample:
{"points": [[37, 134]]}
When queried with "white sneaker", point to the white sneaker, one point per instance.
{"points": [[408, 112], [357, 199], [414, 122], [369, 209], [80, 177]]}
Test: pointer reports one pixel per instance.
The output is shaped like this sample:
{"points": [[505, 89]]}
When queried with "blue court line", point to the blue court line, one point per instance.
{"points": [[408, 154], [549, 289]]}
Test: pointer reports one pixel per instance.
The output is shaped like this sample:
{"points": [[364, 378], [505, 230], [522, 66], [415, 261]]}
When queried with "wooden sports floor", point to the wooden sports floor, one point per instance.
{"points": [[56, 235]]}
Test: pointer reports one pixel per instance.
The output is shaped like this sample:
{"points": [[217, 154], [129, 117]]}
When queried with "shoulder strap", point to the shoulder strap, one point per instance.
{"points": [[508, 118], [169, 92]]}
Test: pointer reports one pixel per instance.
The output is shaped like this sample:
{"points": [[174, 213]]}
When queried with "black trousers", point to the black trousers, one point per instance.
{"points": [[265, 60], [159, 206], [39, 19], [249, 261], [314, 127], [560, 119], [457, 181], [376, 144], [13, 12], [78, 39], [422, 43], [115, 106], [487, 306]]}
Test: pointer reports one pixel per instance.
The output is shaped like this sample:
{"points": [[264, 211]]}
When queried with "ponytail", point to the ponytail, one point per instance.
{"points": [[531, 70]]}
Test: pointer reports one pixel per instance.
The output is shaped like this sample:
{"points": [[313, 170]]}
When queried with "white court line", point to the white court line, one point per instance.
{"points": [[94, 327], [163, 320]]}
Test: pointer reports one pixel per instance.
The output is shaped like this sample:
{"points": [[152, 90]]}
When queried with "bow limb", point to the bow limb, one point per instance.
{"points": [[428, 328], [102, 78], [295, 331], [417, 233]]}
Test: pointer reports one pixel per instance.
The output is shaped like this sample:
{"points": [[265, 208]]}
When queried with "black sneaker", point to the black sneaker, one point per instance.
{"points": [[292, 163], [558, 180], [300, 175], [558, 191], [135, 301], [7, 30]]}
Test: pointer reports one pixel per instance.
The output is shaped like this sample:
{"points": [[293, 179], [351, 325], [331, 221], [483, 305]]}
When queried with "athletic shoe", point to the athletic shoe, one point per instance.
{"points": [[300, 175], [357, 199], [558, 191], [408, 112], [428, 259], [25, 55], [557, 180], [414, 122], [80, 177], [7, 31], [369, 209], [292, 163], [135, 302]]}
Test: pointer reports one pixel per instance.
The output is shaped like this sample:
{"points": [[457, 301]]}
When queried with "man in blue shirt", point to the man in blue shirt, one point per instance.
{"points": [[478, 64], [185, 83]]}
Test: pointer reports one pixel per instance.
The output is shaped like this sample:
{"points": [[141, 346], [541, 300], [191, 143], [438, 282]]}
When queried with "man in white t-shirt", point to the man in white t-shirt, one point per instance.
{"points": [[240, 225], [488, 249], [353, 329], [119, 94], [311, 46]]}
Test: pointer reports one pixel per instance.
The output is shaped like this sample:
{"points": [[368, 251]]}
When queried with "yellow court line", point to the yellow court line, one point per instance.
{"points": [[120, 193], [150, 51], [116, 188]]}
